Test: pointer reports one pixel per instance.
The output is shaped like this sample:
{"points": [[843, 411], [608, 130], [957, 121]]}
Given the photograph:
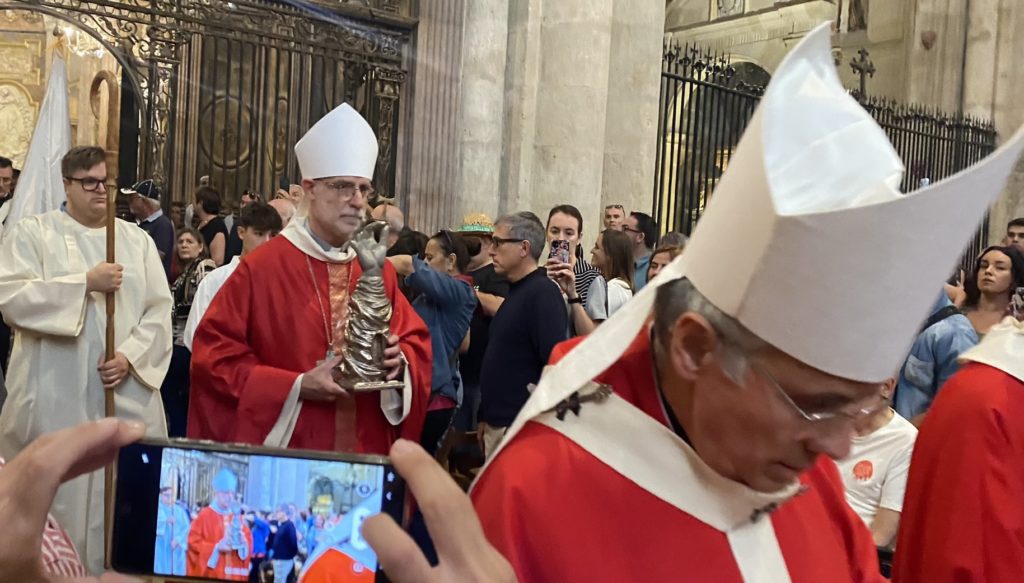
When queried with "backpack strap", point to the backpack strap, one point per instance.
{"points": [[938, 317]]}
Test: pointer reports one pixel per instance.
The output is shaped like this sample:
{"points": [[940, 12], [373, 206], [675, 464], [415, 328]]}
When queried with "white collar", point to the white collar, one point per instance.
{"points": [[156, 215], [1002, 348], [298, 234]]}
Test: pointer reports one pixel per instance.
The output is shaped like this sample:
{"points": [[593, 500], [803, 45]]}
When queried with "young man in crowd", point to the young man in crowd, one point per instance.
{"points": [[257, 223], [643, 231], [1015, 233], [875, 472]]}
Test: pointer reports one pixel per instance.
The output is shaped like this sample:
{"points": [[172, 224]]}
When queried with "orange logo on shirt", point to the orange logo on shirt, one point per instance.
{"points": [[863, 470]]}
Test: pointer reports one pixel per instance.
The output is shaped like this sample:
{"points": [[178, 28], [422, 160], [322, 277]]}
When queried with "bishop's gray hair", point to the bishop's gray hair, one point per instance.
{"points": [[678, 297], [525, 226]]}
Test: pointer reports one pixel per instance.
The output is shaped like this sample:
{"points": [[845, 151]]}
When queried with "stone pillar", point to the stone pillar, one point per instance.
{"points": [[484, 43], [1007, 106], [935, 51], [522, 72], [572, 104], [634, 85], [559, 105], [433, 163]]}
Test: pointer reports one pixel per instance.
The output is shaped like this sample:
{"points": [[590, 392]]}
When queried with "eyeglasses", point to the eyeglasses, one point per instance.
{"points": [[253, 195], [631, 229], [847, 414], [346, 190], [502, 241], [89, 183]]}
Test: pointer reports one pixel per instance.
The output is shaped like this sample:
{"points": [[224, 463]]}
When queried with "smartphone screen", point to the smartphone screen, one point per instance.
{"points": [[215, 512], [560, 250]]}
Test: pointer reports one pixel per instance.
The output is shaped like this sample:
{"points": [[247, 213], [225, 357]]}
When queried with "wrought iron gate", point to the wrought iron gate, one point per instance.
{"points": [[706, 103], [225, 88]]}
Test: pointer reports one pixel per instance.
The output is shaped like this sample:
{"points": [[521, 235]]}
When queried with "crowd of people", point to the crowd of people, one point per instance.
{"points": [[621, 403]]}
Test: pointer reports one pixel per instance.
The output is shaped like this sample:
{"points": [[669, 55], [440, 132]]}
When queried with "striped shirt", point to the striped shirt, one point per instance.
{"points": [[59, 555], [585, 275]]}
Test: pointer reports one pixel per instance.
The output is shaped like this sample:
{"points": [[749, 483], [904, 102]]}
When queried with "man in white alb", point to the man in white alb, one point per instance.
{"points": [[53, 282]]}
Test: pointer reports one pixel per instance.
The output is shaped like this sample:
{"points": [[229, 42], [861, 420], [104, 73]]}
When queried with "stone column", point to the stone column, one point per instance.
{"points": [[935, 51], [522, 70], [634, 85], [1007, 106], [572, 104], [481, 127]]}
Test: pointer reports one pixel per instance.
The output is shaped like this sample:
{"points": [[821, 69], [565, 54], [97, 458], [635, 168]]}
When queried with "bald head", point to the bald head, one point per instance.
{"points": [[285, 208], [394, 218]]}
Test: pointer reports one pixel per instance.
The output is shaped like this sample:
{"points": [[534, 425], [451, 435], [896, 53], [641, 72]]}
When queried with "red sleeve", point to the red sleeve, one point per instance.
{"points": [[563, 348], [229, 383], [414, 339], [506, 502], [963, 519], [861, 552], [200, 543]]}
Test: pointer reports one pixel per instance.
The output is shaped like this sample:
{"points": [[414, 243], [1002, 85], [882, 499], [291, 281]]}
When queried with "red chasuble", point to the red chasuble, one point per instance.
{"points": [[558, 513], [963, 513], [206, 532], [266, 327]]}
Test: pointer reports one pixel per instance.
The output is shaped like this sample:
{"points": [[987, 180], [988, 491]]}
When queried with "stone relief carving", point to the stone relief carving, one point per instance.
{"points": [[17, 118]]}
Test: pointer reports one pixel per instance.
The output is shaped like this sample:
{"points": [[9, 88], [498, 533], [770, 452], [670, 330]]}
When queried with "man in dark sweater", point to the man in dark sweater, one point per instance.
{"points": [[285, 546], [529, 323], [144, 201]]}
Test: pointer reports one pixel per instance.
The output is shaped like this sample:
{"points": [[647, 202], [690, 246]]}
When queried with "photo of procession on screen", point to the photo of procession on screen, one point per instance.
{"points": [[230, 517]]}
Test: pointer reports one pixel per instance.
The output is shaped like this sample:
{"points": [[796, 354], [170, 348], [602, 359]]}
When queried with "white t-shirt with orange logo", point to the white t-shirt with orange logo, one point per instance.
{"points": [[875, 472]]}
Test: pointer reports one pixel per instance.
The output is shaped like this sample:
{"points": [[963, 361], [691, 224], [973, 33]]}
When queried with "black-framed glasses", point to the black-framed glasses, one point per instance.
{"points": [[89, 183], [257, 197], [502, 240], [346, 190], [631, 229]]}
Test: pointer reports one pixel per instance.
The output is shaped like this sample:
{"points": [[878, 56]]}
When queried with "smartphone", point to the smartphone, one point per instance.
{"points": [[1016, 307], [560, 250], [201, 511]]}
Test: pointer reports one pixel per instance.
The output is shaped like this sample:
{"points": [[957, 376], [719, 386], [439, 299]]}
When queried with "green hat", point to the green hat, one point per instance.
{"points": [[476, 223]]}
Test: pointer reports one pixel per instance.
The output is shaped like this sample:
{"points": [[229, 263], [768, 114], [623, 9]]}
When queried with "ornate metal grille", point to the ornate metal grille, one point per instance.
{"points": [[706, 103], [225, 88]]}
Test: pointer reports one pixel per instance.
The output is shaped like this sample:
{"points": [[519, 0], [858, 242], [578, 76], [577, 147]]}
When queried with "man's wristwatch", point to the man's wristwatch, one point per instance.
{"points": [[575, 300]]}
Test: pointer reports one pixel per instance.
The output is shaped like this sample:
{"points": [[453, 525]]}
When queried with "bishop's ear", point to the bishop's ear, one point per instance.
{"points": [[692, 343]]}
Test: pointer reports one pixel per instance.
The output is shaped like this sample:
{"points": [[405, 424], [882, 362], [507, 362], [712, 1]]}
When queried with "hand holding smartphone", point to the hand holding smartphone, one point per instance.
{"points": [[198, 511], [560, 250]]}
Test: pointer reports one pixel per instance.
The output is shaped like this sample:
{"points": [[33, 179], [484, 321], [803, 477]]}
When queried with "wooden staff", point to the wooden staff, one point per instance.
{"points": [[108, 394]]}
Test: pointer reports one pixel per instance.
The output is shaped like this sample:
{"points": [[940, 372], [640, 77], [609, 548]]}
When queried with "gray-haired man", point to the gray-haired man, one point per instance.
{"points": [[530, 322]]}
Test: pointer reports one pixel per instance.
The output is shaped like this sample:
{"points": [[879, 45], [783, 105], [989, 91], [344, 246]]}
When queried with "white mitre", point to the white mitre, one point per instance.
{"points": [[340, 144], [1002, 348], [837, 268]]}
